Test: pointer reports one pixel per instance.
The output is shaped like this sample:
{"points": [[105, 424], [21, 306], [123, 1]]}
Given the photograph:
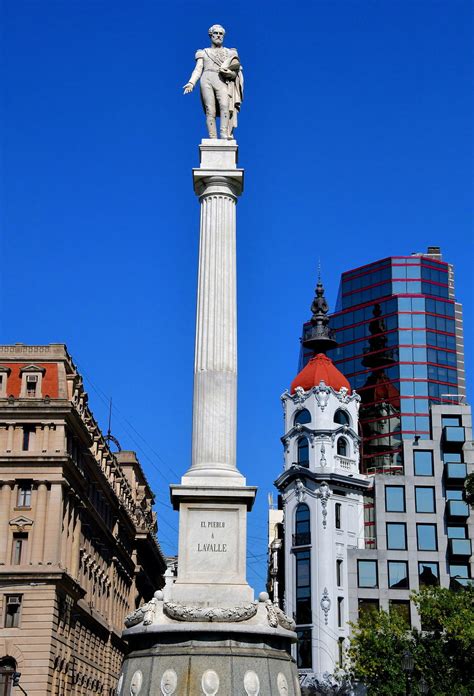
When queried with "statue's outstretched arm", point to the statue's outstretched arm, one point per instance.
{"points": [[195, 75]]}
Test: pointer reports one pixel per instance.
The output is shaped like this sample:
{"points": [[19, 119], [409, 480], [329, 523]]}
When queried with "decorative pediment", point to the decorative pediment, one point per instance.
{"points": [[32, 368], [21, 523], [5, 370]]}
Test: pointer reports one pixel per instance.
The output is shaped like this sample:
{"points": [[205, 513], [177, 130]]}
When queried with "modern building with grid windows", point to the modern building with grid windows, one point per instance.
{"points": [[400, 344]]}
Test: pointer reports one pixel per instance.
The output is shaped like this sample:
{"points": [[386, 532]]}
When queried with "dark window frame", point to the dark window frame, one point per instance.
{"points": [[427, 524], [392, 562], [387, 509], [302, 445], [396, 524], [433, 490], [372, 561]]}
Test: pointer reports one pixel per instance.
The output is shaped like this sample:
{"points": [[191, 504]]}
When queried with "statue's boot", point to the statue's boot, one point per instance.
{"points": [[225, 125], [211, 126]]}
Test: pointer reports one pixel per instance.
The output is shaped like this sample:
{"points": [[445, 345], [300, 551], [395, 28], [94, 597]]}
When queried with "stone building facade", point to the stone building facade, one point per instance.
{"points": [[78, 547]]}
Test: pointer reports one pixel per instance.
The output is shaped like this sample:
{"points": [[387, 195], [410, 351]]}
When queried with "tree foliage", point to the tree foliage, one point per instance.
{"points": [[443, 650]]}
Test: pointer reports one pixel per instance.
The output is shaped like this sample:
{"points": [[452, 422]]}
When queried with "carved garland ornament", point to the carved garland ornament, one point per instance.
{"points": [[181, 612], [276, 617]]}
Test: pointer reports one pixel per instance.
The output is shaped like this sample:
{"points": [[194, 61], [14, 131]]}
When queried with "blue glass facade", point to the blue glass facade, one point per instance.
{"points": [[394, 323]]}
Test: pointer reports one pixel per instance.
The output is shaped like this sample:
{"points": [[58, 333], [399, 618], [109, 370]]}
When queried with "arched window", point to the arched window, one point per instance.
{"points": [[302, 533], [342, 447], [342, 417], [302, 417], [7, 669], [303, 451]]}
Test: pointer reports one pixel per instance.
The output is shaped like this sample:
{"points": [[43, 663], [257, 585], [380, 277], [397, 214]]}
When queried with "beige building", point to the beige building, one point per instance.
{"points": [[78, 548]]}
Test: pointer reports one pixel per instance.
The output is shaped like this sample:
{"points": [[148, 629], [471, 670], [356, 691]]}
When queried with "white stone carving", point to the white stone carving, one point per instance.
{"points": [[325, 604], [342, 395], [324, 493], [299, 396], [183, 612], [144, 614], [210, 682], [251, 683], [300, 490], [322, 460], [276, 617], [119, 685], [169, 682], [136, 683], [297, 687], [321, 394], [282, 684]]}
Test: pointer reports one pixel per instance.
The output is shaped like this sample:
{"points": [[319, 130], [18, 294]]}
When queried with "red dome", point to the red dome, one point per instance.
{"points": [[320, 368]]}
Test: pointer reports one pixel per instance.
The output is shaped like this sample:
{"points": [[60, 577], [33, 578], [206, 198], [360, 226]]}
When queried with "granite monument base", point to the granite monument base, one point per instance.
{"points": [[209, 656]]}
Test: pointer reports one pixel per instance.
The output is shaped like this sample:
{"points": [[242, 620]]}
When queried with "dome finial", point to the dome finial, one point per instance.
{"points": [[318, 336]]}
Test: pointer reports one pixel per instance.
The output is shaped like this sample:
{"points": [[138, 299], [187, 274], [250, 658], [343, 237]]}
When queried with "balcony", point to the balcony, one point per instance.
{"points": [[455, 472], [459, 547], [453, 435], [457, 508], [302, 539], [345, 463]]}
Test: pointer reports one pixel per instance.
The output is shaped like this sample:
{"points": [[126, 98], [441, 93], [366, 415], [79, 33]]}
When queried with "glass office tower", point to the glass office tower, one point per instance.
{"points": [[399, 334]]}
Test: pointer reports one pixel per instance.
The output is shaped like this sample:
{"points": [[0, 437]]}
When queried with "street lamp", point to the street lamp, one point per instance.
{"points": [[423, 686], [408, 663]]}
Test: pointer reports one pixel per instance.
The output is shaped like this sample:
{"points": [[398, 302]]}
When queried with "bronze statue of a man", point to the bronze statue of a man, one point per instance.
{"points": [[222, 83]]}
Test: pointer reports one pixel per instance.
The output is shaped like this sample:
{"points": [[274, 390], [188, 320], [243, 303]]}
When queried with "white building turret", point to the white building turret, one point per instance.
{"points": [[322, 493]]}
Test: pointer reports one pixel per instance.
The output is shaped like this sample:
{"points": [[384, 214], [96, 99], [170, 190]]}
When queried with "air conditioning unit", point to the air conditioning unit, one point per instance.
{"points": [[14, 599]]}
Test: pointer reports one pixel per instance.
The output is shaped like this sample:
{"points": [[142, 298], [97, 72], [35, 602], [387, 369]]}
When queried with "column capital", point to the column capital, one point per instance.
{"points": [[218, 169]]}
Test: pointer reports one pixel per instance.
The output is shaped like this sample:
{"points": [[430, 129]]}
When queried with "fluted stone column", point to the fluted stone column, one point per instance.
{"points": [[218, 183], [213, 499]]}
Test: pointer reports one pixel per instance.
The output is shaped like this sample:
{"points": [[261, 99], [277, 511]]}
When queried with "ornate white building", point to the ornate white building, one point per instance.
{"points": [[322, 493]]}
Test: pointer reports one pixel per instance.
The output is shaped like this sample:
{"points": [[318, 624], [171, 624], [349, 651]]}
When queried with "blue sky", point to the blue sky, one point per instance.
{"points": [[356, 137]]}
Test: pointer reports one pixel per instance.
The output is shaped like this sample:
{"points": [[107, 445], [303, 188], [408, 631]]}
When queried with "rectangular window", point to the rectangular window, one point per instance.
{"points": [[28, 432], [428, 573], [367, 573], [456, 532], [398, 575], [340, 647], [395, 498], [12, 611], [425, 499], [340, 611], [338, 515], [24, 495], [368, 605], [450, 421], [339, 572], [396, 535], [454, 494], [31, 383], [304, 651], [20, 541], [426, 537], [402, 608], [423, 460], [303, 587]]}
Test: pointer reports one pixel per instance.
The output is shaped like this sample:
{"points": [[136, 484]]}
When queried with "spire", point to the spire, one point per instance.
{"points": [[318, 337]]}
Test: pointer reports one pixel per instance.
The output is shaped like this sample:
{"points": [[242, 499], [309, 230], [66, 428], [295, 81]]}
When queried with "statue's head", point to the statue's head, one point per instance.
{"points": [[217, 33]]}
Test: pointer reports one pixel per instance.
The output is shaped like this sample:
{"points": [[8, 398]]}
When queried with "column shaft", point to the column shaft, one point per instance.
{"points": [[215, 377]]}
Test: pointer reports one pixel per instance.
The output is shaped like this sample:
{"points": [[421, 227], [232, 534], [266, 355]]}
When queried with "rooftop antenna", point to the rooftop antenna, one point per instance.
{"points": [[109, 437]]}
